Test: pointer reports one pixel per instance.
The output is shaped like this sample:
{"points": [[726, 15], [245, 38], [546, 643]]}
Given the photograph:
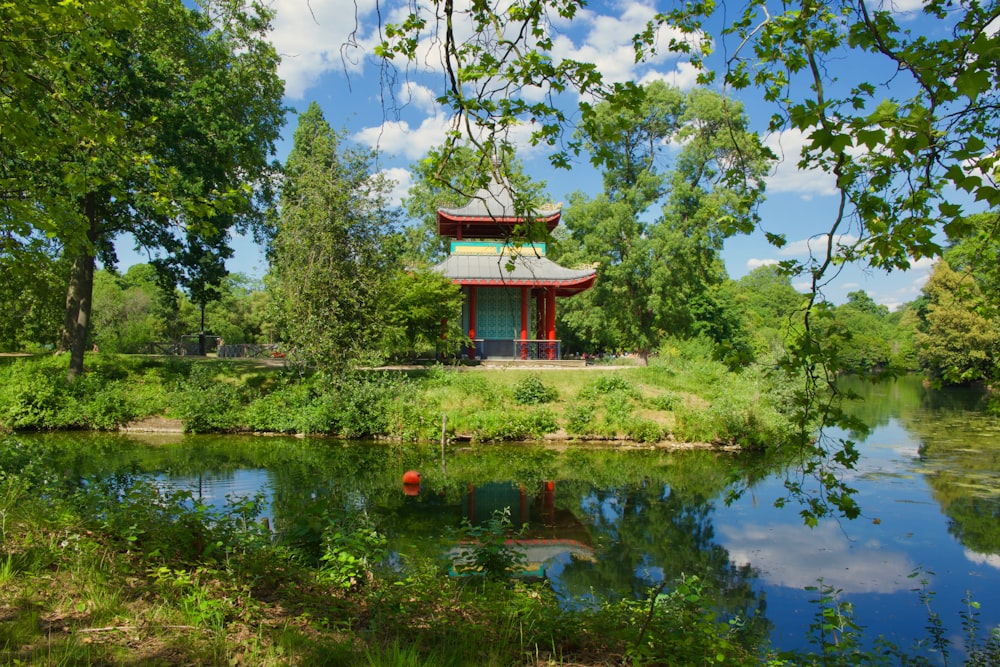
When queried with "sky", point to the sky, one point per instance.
{"points": [[325, 47]]}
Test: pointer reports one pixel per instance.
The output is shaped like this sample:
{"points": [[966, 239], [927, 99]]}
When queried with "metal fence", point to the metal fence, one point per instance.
{"points": [[249, 351], [524, 349]]}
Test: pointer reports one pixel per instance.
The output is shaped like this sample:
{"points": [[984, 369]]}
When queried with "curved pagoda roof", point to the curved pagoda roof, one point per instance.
{"points": [[491, 213], [515, 270]]}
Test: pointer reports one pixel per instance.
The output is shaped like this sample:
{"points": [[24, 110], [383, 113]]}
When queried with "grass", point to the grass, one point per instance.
{"points": [[683, 396]]}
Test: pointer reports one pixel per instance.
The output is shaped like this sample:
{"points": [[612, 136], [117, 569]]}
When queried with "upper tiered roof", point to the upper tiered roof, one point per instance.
{"points": [[491, 214]]}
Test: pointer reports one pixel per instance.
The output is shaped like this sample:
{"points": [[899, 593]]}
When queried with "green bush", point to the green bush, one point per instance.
{"points": [[363, 405], [580, 419], [284, 410], [644, 430], [532, 391], [352, 548], [666, 402], [102, 401], [739, 416], [33, 396], [619, 411], [676, 623], [612, 383], [206, 402], [486, 551], [501, 425]]}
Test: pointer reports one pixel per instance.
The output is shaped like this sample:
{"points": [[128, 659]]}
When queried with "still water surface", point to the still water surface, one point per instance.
{"points": [[608, 523]]}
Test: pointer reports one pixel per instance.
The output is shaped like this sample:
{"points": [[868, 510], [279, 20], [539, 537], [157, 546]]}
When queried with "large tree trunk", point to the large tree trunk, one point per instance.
{"points": [[79, 294]]}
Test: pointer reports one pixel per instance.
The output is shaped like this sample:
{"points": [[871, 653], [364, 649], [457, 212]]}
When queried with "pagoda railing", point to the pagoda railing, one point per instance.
{"points": [[536, 349], [518, 348]]}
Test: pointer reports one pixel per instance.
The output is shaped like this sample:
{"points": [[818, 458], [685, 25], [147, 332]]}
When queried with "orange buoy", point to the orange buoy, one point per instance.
{"points": [[411, 477]]}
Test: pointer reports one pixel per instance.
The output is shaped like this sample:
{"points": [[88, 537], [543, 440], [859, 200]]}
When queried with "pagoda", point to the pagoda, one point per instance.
{"points": [[509, 311]]}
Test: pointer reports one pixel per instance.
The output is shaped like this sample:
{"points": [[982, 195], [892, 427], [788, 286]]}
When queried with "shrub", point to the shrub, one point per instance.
{"points": [[644, 430], [612, 383], [352, 547], [485, 550], [499, 425], [532, 391], [33, 396], [666, 402], [580, 419], [281, 411], [745, 415], [207, 404], [362, 405], [679, 624]]}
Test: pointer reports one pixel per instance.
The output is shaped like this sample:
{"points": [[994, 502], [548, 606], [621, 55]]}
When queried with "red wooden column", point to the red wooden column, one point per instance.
{"points": [[525, 295], [539, 314], [550, 321], [472, 321]]}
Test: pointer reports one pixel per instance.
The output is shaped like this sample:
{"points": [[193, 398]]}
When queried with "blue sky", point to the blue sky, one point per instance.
{"points": [[325, 44]]}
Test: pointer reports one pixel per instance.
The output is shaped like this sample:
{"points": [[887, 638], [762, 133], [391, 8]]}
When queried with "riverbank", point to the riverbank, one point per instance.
{"points": [[680, 399]]}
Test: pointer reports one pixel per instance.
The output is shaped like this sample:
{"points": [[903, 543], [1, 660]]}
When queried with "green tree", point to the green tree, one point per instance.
{"points": [[123, 318], [663, 276], [423, 313], [863, 325], [189, 106], [772, 307], [957, 343], [334, 249], [978, 253], [44, 118], [238, 314], [32, 294]]}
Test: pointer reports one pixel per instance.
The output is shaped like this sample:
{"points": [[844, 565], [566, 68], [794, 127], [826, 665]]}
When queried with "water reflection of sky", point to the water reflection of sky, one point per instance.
{"points": [[216, 490], [877, 562], [787, 556]]}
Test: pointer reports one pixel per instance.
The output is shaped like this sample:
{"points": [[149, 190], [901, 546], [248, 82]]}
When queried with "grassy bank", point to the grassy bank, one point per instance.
{"points": [[681, 397]]}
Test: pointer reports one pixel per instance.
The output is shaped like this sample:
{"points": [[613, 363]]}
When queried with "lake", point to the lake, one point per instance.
{"points": [[603, 523]]}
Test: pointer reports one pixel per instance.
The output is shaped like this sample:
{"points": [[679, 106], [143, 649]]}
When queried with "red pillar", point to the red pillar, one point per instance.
{"points": [[539, 314], [550, 321], [525, 295], [472, 321]]}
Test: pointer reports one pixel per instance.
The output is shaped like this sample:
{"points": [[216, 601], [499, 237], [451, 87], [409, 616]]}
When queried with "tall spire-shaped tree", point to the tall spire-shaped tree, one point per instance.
{"points": [[334, 247]]}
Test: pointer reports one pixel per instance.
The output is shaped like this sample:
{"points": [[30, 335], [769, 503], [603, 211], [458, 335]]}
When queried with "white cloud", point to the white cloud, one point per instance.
{"points": [[787, 176], [402, 180], [815, 245], [399, 138], [314, 37], [905, 6], [322, 36], [993, 560], [683, 76], [753, 262], [421, 97], [606, 41]]}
